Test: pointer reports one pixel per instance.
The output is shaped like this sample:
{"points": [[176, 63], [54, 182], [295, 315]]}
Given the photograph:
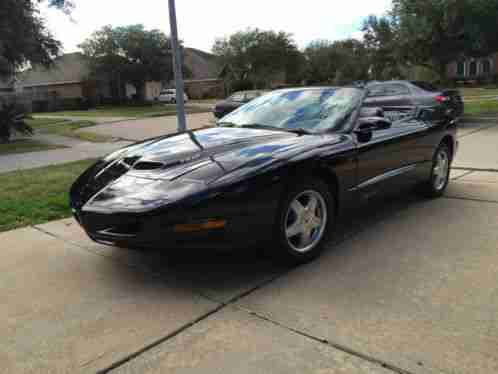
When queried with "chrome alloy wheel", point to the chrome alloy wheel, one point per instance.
{"points": [[305, 221], [441, 170]]}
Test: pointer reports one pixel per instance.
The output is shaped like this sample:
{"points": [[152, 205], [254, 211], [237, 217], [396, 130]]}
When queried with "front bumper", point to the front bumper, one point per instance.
{"points": [[137, 232]]}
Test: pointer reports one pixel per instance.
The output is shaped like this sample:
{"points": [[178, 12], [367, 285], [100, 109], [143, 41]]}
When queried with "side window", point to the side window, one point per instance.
{"points": [[395, 90], [376, 91]]}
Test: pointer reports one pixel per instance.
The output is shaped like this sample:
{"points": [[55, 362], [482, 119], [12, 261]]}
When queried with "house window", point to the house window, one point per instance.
{"points": [[473, 68], [461, 69], [486, 67]]}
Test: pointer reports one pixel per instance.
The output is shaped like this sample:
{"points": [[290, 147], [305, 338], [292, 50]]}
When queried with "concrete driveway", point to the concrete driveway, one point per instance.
{"points": [[478, 146], [409, 285], [141, 129]]}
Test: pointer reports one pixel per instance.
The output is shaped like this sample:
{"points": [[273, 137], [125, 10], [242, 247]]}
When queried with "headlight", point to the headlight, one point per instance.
{"points": [[137, 195]]}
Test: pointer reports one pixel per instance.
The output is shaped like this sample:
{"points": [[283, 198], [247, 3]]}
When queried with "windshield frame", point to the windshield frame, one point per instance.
{"points": [[346, 126]]}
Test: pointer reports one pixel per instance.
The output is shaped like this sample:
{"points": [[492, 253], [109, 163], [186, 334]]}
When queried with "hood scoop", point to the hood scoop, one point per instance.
{"points": [[148, 165]]}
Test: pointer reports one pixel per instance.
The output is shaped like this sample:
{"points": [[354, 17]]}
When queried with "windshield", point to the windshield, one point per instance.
{"points": [[313, 110]]}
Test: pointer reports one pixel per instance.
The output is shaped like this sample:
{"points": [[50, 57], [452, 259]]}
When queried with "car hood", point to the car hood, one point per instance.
{"points": [[208, 154], [184, 164]]}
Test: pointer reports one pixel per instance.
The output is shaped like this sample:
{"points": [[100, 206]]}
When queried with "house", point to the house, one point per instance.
{"points": [[68, 84], [468, 69], [204, 81], [62, 86]]}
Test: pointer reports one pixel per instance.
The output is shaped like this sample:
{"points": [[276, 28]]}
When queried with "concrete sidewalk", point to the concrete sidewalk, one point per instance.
{"points": [[78, 151], [403, 272], [98, 120]]}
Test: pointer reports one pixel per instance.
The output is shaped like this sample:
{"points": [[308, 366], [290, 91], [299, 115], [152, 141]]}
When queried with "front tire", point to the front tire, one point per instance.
{"points": [[440, 173], [304, 221]]}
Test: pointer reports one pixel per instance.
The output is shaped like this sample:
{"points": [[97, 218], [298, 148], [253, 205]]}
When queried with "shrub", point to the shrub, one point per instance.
{"points": [[12, 120], [242, 85]]}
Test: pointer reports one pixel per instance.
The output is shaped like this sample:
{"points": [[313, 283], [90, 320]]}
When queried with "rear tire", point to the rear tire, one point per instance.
{"points": [[440, 172], [304, 221]]}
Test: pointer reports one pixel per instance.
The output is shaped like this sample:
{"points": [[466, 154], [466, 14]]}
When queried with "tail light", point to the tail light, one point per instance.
{"points": [[442, 99]]}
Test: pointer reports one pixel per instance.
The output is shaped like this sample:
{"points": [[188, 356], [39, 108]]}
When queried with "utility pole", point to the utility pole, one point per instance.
{"points": [[177, 64]]}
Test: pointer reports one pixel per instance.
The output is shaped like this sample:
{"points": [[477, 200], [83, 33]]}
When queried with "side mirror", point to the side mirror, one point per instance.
{"points": [[368, 125], [425, 114], [374, 123]]}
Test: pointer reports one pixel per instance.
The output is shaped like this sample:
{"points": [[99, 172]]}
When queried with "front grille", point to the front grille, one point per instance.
{"points": [[114, 223]]}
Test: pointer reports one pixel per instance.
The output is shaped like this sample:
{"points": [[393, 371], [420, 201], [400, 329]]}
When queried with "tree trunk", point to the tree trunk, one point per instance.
{"points": [[140, 88], [442, 70]]}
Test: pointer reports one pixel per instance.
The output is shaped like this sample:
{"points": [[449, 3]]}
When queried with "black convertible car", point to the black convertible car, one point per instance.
{"points": [[283, 167]]}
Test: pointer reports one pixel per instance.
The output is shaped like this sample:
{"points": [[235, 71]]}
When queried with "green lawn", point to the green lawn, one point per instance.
{"points": [[482, 108], [24, 146], [126, 111], [476, 92], [60, 127], [35, 196]]}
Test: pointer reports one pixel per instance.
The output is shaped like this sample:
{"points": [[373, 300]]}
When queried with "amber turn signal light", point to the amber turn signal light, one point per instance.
{"points": [[200, 226]]}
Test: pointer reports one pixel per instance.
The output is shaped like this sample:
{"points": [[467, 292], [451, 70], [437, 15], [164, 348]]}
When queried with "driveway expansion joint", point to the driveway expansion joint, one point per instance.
{"points": [[470, 169], [328, 342], [486, 127], [71, 243], [161, 340], [465, 174], [470, 199], [221, 306]]}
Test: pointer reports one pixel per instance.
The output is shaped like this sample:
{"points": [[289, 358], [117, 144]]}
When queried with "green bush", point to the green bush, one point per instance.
{"points": [[12, 120]]}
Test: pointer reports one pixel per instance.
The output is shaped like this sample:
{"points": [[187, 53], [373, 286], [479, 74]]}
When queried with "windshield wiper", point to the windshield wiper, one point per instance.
{"points": [[259, 126], [227, 124], [300, 131], [249, 126]]}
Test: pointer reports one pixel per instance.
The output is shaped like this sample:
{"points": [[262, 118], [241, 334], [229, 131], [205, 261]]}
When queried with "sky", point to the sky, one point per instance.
{"points": [[200, 22]]}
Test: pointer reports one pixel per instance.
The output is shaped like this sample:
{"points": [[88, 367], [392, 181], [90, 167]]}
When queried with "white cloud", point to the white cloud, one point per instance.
{"points": [[200, 21]]}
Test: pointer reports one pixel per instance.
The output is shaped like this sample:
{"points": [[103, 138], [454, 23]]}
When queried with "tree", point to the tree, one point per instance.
{"points": [[322, 61], [354, 63], [381, 43], [24, 37], [340, 62], [433, 33], [258, 55], [130, 54]]}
